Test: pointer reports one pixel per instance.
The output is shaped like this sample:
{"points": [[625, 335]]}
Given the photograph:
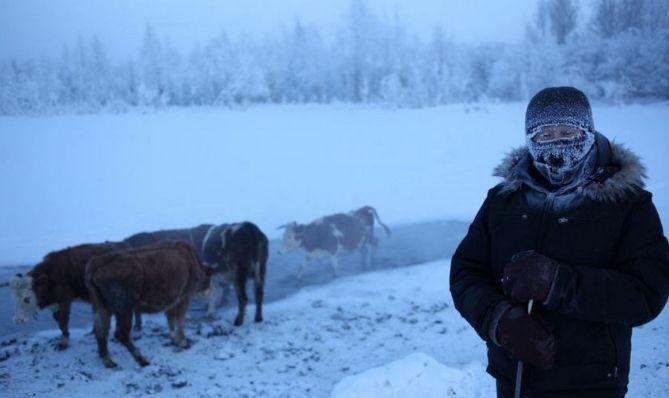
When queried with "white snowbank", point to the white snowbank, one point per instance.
{"points": [[417, 375]]}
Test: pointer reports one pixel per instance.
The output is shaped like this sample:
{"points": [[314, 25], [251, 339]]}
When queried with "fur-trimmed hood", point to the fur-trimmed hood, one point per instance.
{"points": [[619, 171]]}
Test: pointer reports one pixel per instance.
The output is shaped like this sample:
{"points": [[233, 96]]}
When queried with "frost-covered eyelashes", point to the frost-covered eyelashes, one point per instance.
{"points": [[561, 150], [558, 153], [555, 132]]}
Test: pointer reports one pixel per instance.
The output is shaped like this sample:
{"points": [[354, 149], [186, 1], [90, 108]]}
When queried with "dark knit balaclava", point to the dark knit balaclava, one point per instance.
{"points": [[559, 161]]}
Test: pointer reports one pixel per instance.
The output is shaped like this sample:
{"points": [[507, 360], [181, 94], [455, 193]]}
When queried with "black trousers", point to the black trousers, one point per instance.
{"points": [[506, 390]]}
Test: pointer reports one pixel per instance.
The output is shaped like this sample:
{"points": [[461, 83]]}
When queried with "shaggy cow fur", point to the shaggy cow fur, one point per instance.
{"points": [[156, 278]]}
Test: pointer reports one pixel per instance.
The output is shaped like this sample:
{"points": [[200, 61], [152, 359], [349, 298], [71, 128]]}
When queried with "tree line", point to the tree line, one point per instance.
{"points": [[619, 53]]}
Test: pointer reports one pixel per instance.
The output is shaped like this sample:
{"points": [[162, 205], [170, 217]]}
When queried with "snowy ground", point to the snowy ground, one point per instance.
{"points": [[309, 342], [73, 179]]}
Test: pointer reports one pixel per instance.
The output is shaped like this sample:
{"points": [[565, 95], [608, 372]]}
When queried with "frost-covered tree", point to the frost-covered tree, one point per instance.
{"points": [[563, 16], [299, 70], [152, 88], [621, 53], [355, 45], [605, 22], [538, 28]]}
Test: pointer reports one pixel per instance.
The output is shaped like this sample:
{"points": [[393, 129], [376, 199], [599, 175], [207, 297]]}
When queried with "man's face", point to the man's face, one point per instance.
{"points": [[557, 132]]}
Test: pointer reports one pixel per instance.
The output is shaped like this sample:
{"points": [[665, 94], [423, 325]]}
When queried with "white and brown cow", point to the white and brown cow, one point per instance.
{"points": [[55, 283], [156, 278], [328, 236]]}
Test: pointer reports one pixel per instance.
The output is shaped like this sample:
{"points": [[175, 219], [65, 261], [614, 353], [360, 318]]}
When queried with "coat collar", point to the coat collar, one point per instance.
{"points": [[619, 171]]}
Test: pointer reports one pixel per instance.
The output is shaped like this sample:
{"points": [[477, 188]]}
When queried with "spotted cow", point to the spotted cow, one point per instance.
{"points": [[331, 235], [237, 252]]}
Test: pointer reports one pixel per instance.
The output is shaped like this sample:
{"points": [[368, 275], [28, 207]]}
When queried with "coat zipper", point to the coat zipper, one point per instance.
{"points": [[538, 246], [541, 235]]}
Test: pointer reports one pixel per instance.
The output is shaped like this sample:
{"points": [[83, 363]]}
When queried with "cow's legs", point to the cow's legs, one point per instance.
{"points": [[171, 322], [368, 248], [124, 324], [366, 255], [335, 265], [176, 334], [180, 317], [175, 319], [306, 260], [102, 320], [240, 289], [62, 317], [138, 320], [259, 282], [373, 246], [215, 294]]}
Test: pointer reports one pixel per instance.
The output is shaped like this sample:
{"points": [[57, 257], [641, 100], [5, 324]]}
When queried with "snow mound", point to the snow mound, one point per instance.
{"points": [[417, 375]]}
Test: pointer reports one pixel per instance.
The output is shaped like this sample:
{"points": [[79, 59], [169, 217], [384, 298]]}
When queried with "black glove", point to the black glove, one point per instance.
{"points": [[527, 337], [528, 276]]}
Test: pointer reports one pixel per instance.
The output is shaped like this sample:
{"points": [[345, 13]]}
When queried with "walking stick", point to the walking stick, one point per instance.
{"points": [[519, 370]]}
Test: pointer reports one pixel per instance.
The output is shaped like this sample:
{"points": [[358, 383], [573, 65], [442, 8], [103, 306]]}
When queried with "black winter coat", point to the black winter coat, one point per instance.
{"points": [[614, 273]]}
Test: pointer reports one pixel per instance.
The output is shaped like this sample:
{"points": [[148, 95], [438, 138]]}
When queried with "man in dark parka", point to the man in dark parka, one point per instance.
{"points": [[571, 229]]}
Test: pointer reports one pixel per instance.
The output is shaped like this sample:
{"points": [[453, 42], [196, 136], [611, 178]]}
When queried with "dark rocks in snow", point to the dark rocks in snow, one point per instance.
{"points": [[5, 355], [153, 389], [317, 304], [82, 375], [216, 331], [179, 384], [131, 387], [9, 342]]}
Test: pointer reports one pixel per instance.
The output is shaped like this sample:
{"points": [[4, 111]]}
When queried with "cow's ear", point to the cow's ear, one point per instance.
{"points": [[41, 280]]}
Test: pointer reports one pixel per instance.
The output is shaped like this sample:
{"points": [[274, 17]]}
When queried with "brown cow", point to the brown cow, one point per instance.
{"points": [[330, 235], [155, 278], [194, 236], [55, 283]]}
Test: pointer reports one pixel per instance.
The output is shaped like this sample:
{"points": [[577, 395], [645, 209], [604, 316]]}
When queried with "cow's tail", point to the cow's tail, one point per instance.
{"points": [[96, 296], [263, 255], [378, 219]]}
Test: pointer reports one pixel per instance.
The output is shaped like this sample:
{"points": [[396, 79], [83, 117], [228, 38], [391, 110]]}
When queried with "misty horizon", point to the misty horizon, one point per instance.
{"points": [[39, 31]]}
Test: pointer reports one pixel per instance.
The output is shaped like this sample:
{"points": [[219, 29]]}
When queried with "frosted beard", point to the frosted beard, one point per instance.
{"points": [[560, 161]]}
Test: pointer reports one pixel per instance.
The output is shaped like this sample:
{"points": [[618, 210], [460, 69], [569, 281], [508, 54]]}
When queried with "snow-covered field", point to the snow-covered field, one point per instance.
{"points": [[401, 323], [73, 179]]}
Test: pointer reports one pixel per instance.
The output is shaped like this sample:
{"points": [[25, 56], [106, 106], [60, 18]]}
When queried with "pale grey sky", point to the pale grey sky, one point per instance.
{"points": [[33, 28]]}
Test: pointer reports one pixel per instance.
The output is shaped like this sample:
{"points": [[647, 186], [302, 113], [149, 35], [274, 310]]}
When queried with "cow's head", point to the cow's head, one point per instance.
{"points": [[291, 237], [25, 290]]}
